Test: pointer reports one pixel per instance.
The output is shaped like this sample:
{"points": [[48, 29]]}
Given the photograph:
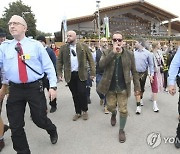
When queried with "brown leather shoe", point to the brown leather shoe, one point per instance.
{"points": [[85, 116], [2, 144], [122, 136], [113, 118], [76, 117]]}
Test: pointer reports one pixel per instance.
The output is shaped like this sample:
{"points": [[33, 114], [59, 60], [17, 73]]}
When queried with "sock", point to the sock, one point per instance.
{"points": [[114, 112], [122, 122], [138, 103]]}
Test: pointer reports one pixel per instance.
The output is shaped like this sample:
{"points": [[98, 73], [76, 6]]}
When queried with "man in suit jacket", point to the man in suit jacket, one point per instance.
{"points": [[116, 80], [73, 59], [52, 56]]}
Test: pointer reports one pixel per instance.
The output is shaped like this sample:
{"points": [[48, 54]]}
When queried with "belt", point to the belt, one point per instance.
{"points": [[143, 72], [25, 85], [74, 72]]}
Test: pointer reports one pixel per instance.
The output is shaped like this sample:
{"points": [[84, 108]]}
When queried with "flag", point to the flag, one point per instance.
{"points": [[64, 29], [65, 24], [106, 22]]}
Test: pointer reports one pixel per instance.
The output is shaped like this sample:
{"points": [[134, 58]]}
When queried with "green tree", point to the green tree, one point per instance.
{"points": [[18, 8], [3, 25], [38, 32]]}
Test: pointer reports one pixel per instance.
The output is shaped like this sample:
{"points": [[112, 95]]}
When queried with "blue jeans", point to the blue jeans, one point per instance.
{"points": [[101, 96]]}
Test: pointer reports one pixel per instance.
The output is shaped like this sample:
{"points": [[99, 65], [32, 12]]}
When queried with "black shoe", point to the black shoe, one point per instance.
{"points": [[53, 109], [6, 127], [2, 144], [177, 142], [54, 137]]}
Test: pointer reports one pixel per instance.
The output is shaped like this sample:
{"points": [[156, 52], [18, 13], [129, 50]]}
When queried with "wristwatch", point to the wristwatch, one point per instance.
{"points": [[54, 88]]}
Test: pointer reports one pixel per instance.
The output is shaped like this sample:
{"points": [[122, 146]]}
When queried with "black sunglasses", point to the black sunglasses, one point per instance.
{"points": [[117, 40]]}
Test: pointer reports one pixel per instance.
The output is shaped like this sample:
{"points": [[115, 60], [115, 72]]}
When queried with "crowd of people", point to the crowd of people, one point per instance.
{"points": [[28, 66]]}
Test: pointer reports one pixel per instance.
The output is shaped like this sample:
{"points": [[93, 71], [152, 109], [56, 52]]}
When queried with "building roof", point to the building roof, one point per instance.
{"points": [[141, 6], [80, 19], [174, 25]]}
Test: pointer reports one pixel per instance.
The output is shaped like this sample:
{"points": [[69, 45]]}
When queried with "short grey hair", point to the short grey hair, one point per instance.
{"points": [[142, 41]]}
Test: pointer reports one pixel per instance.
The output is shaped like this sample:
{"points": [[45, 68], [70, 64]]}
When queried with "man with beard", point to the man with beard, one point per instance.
{"points": [[73, 59]]}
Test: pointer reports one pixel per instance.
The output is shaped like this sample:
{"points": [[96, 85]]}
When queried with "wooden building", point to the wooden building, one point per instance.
{"points": [[134, 18]]}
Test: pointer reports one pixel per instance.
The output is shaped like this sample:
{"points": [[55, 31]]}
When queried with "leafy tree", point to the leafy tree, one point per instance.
{"points": [[3, 25], [38, 32], [18, 8]]}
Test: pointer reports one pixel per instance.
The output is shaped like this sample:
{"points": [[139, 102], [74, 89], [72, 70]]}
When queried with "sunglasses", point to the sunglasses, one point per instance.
{"points": [[117, 40]]}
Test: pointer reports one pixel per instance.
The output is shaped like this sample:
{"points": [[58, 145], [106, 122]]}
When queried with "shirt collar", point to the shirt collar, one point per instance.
{"points": [[72, 46], [140, 50], [22, 41]]}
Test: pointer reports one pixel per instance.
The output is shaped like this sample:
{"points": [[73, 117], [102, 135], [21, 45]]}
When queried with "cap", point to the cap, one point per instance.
{"points": [[41, 38], [2, 34]]}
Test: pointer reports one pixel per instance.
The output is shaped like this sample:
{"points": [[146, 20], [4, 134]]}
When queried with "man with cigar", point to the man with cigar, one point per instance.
{"points": [[117, 64], [24, 62]]}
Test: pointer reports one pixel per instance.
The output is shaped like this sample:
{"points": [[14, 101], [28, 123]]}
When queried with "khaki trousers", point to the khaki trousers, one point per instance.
{"points": [[119, 99]]}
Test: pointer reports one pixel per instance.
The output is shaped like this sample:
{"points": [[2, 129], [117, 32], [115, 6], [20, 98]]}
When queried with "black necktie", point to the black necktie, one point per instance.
{"points": [[73, 52]]}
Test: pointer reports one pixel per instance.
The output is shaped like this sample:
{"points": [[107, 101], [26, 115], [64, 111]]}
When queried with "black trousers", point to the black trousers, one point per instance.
{"points": [[179, 103], [78, 90], [19, 96], [178, 128], [165, 78], [1, 103], [47, 86], [142, 80]]}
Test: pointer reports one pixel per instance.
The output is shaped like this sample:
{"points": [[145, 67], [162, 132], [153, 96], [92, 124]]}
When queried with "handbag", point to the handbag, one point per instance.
{"points": [[160, 63]]}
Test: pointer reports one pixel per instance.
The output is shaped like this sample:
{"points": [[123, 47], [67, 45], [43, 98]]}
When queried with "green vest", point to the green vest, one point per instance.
{"points": [[118, 82]]}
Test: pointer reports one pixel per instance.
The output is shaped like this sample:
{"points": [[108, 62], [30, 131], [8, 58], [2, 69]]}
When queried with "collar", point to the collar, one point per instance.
{"points": [[21, 41], [140, 50], [72, 46]]}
